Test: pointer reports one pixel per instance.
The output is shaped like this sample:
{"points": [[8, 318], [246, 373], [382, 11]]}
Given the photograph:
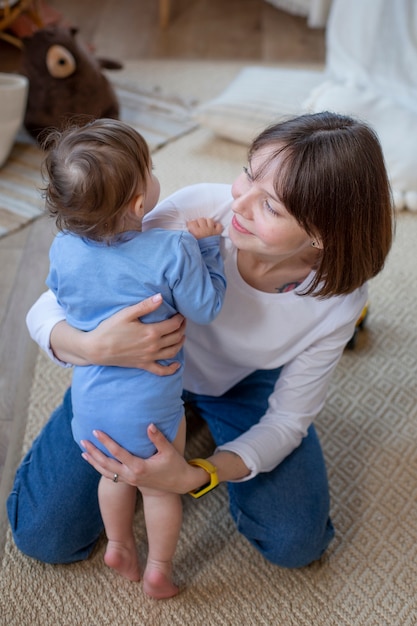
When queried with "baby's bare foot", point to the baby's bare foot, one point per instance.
{"points": [[157, 581], [123, 558]]}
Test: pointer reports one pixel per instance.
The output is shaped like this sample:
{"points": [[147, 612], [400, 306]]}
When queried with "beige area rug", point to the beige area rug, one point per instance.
{"points": [[154, 98], [368, 576]]}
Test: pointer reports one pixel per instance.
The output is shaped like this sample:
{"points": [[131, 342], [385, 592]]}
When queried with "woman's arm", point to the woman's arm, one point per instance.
{"points": [[298, 396], [121, 340], [166, 470]]}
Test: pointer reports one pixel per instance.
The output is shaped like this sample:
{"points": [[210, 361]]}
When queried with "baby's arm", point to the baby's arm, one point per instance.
{"points": [[204, 227], [197, 277]]}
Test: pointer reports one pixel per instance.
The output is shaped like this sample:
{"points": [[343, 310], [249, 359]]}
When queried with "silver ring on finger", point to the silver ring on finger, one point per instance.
{"points": [[115, 478]]}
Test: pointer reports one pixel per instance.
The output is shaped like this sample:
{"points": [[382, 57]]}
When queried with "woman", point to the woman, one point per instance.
{"points": [[307, 223]]}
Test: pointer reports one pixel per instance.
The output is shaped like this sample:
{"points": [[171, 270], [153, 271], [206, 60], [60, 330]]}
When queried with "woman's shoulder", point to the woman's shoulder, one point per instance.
{"points": [[201, 190], [344, 308], [199, 200], [208, 196]]}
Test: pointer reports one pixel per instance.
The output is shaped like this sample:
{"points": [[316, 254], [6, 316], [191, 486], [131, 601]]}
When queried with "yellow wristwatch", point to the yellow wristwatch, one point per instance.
{"points": [[212, 472]]}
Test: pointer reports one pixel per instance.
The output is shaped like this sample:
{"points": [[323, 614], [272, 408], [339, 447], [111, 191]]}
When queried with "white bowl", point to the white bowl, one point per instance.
{"points": [[13, 99]]}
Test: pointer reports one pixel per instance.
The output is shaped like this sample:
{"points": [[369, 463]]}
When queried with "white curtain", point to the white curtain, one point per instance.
{"points": [[371, 73]]}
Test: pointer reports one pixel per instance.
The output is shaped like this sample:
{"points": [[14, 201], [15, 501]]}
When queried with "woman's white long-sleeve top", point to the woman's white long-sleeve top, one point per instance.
{"points": [[255, 330]]}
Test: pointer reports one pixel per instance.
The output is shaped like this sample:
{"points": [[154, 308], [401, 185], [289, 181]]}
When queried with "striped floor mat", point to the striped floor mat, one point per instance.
{"points": [[20, 182]]}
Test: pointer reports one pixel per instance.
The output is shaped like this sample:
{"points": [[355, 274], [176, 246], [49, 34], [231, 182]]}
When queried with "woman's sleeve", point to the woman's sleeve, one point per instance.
{"points": [[298, 397], [40, 320]]}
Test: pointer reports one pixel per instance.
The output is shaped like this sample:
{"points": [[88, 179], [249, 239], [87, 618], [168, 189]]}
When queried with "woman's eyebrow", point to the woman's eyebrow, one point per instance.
{"points": [[258, 177]]}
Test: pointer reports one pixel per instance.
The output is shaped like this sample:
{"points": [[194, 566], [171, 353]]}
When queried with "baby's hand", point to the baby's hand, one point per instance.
{"points": [[204, 227]]}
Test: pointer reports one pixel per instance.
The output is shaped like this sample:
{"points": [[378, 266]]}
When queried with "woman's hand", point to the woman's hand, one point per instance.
{"points": [[166, 470], [123, 340]]}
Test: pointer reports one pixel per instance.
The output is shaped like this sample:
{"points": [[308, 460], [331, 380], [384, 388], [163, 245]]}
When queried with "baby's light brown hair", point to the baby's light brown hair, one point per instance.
{"points": [[92, 172]]}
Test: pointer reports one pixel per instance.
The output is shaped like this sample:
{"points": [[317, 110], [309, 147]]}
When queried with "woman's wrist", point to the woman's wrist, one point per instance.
{"points": [[196, 478], [70, 345], [229, 466]]}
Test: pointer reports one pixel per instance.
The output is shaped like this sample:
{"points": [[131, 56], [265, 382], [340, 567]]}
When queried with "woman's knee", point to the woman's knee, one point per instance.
{"points": [[53, 508], [296, 550], [290, 546], [290, 529], [39, 533]]}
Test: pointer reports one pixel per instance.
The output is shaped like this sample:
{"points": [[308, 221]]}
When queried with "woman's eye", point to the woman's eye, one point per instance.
{"points": [[270, 209]]}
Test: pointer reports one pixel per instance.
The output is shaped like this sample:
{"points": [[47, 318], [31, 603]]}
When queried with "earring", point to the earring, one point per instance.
{"points": [[313, 243]]}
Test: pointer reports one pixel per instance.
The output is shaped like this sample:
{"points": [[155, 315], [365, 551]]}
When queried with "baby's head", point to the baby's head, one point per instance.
{"points": [[93, 173]]}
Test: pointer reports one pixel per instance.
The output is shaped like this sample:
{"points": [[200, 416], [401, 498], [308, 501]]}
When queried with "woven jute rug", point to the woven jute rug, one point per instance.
{"points": [[368, 576]]}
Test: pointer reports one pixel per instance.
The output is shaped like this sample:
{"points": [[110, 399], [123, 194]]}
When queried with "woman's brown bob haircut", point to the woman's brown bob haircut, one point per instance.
{"points": [[93, 172], [334, 182]]}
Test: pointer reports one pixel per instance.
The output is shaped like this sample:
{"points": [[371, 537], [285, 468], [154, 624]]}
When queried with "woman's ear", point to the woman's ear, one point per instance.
{"points": [[317, 243]]}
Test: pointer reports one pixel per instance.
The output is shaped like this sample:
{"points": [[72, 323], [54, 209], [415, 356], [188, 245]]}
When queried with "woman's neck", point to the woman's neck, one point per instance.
{"points": [[274, 275]]}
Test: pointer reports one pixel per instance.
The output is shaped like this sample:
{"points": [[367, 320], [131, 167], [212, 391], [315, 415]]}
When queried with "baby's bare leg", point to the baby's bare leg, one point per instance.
{"points": [[117, 506], [163, 517]]}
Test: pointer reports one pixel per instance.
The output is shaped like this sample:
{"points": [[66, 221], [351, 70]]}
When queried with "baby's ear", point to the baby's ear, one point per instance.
{"points": [[137, 205]]}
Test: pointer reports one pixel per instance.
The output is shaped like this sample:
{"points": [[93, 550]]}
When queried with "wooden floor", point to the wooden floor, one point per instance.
{"points": [[249, 30]]}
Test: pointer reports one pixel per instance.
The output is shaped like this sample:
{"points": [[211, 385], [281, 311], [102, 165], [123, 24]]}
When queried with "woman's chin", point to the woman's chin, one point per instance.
{"points": [[238, 238]]}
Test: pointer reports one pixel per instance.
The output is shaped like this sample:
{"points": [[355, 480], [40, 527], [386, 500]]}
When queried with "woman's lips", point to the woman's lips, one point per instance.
{"points": [[238, 227]]}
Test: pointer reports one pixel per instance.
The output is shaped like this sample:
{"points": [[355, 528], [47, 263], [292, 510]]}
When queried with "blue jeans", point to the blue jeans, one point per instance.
{"points": [[53, 507]]}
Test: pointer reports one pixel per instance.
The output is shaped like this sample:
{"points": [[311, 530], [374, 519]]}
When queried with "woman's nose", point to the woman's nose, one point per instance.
{"points": [[242, 205]]}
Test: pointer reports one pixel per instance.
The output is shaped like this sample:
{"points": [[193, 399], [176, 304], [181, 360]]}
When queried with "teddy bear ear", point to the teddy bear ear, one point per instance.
{"points": [[60, 62]]}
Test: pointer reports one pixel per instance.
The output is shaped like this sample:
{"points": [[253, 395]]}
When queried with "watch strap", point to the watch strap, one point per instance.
{"points": [[212, 472]]}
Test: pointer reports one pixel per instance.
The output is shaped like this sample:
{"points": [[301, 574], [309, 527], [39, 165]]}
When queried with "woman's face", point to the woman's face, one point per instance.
{"points": [[261, 224]]}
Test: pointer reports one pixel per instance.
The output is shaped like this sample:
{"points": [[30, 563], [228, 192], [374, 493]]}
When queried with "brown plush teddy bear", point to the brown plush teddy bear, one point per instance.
{"points": [[65, 81]]}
